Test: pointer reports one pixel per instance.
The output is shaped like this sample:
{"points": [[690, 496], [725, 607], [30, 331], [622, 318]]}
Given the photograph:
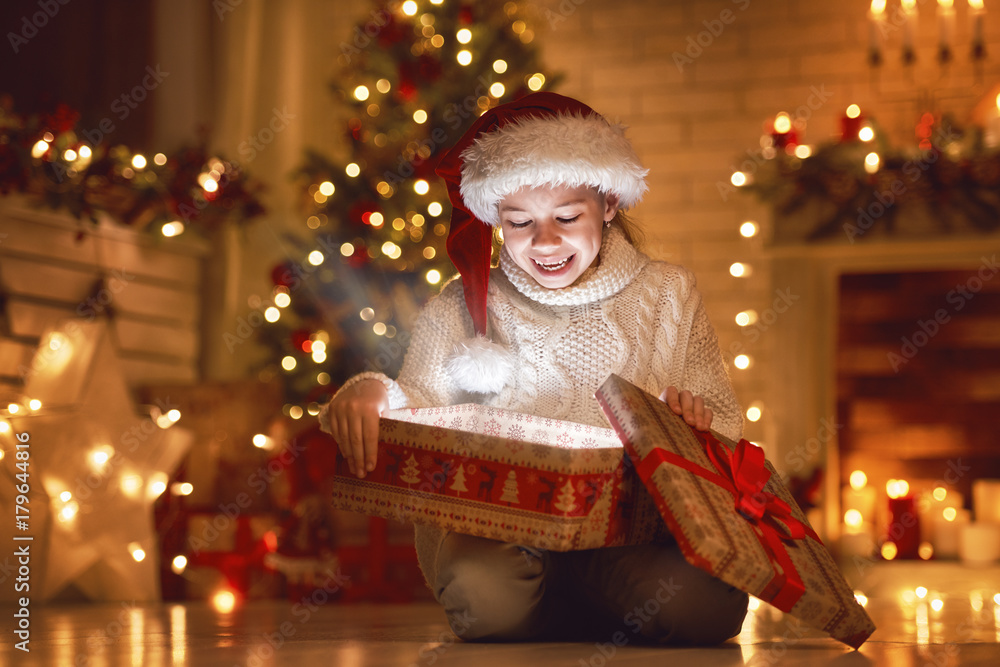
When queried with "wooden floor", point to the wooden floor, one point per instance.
{"points": [[911, 632]]}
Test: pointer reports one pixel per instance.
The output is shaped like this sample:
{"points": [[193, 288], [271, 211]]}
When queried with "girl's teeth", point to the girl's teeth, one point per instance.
{"points": [[552, 267]]}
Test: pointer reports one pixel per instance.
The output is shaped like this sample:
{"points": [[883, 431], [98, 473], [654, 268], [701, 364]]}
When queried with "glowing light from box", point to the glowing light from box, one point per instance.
{"points": [[897, 488], [4, 426], [996, 599], [861, 598], [949, 513], [889, 550], [754, 604], [853, 111], [419, 116], [464, 57], [173, 228], [853, 519], [858, 480], [429, 252], [367, 314], [225, 601], [174, 415], [976, 600], [318, 356], [179, 564], [352, 170], [748, 229], [383, 85], [939, 493], [497, 90], [210, 185], [323, 378]]}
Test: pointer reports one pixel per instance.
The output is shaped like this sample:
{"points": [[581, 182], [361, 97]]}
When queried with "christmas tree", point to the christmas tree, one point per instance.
{"points": [[413, 76], [509, 494], [566, 502], [458, 484], [411, 473]]}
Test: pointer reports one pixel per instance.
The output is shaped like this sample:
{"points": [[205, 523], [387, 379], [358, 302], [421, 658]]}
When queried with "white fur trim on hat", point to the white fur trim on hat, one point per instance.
{"points": [[565, 149]]}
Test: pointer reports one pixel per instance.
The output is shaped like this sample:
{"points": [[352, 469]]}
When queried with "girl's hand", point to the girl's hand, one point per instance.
{"points": [[354, 415], [691, 408]]}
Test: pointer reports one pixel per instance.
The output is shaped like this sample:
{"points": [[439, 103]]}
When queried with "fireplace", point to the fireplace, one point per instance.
{"points": [[888, 363]]}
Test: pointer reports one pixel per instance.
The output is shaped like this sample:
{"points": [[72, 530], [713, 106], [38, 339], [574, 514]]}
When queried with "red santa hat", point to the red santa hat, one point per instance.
{"points": [[540, 139]]}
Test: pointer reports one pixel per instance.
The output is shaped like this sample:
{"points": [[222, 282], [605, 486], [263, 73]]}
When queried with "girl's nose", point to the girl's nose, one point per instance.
{"points": [[546, 236]]}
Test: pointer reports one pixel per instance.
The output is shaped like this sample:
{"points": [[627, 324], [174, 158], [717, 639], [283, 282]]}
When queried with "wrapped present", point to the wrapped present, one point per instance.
{"points": [[732, 515], [504, 475]]}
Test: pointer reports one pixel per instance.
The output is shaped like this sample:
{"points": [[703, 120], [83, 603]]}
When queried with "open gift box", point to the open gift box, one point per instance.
{"points": [[558, 485]]}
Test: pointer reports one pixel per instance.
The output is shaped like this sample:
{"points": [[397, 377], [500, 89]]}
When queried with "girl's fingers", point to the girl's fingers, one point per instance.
{"points": [[343, 441], [370, 437], [357, 445]]}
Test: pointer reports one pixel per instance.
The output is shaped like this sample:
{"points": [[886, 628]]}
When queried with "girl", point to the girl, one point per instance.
{"points": [[571, 302]]}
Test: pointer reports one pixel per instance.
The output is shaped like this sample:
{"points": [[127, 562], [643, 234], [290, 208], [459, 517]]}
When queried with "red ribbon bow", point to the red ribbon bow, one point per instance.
{"points": [[743, 473]]}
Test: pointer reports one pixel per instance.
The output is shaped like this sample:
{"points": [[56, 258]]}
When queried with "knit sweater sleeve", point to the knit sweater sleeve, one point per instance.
{"points": [[705, 371], [422, 381]]}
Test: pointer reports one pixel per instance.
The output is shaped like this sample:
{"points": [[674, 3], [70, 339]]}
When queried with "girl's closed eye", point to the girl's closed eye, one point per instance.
{"points": [[518, 225], [568, 220]]}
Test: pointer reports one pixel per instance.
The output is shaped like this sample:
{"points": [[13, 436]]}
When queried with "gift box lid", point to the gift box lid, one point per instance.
{"points": [[731, 514]]}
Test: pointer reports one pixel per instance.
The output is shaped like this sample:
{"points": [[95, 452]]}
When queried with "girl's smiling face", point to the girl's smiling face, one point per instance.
{"points": [[554, 232]]}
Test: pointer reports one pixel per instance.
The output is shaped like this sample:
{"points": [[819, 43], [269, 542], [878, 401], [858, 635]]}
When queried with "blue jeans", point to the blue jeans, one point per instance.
{"points": [[494, 591]]}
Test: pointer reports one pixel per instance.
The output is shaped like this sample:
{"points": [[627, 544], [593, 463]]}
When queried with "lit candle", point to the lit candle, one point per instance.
{"points": [[986, 492], [877, 18], [946, 17], [948, 531], [979, 543], [976, 12], [909, 28], [904, 521]]}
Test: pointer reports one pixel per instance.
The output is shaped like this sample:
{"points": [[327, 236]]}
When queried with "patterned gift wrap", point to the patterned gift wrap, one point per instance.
{"points": [[732, 515], [504, 475]]}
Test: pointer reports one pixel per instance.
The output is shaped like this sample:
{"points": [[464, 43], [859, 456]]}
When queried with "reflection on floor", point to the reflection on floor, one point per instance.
{"points": [[925, 616]]}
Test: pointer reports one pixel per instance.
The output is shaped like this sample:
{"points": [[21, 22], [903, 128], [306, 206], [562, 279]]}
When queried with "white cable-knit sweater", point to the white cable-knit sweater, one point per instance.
{"points": [[640, 319]]}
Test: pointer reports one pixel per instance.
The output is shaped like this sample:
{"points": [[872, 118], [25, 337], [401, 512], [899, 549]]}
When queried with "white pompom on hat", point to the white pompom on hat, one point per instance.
{"points": [[566, 149]]}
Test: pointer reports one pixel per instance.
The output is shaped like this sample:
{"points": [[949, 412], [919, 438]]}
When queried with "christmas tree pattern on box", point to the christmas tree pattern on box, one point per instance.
{"points": [[504, 475]]}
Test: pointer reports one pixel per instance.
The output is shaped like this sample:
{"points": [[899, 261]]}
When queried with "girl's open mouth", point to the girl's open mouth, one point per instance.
{"points": [[554, 267]]}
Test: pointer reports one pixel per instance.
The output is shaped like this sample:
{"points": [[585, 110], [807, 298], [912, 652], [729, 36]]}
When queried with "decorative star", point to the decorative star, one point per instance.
{"points": [[96, 467]]}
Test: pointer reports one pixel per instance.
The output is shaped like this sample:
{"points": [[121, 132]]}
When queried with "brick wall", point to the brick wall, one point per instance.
{"points": [[692, 123]]}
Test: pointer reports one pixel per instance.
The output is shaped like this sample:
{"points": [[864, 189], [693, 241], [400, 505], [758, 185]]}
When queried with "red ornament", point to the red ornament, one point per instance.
{"points": [[406, 90], [465, 15], [299, 338]]}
